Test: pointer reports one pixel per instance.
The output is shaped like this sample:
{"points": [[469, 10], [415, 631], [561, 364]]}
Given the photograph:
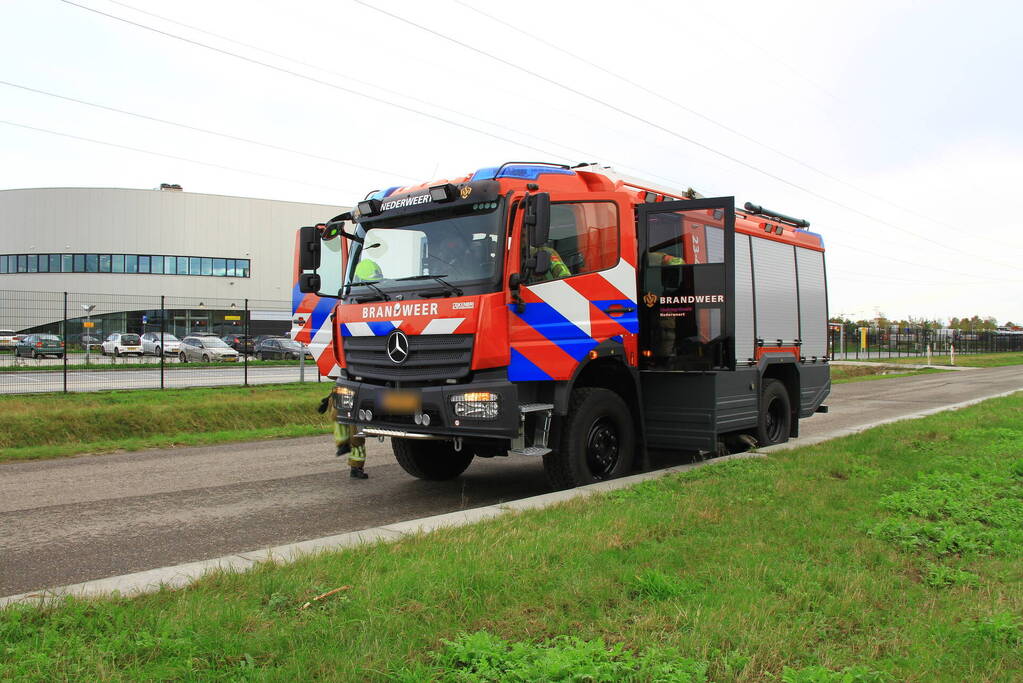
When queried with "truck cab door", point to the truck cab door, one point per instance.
{"points": [[587, 298], [687, 284]]}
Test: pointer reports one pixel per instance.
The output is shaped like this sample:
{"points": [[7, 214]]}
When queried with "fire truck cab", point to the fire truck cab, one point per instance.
{"points": [[563, 312]]}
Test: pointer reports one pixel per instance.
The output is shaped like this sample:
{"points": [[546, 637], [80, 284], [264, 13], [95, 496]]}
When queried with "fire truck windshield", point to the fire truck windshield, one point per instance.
{"points": [[462, 250]]}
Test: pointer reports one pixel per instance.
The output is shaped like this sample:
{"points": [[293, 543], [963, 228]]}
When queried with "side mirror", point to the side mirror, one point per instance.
{"points": [[537, 218], [308, 248], [309, 283], [543, 262], [514, 281]]}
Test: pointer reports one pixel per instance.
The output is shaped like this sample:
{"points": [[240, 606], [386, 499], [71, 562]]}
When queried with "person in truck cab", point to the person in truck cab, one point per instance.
{"points": [[367, 270]]}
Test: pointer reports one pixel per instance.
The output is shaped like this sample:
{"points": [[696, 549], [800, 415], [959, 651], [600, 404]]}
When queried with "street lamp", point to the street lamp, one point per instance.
{"points": [[88, 308]]}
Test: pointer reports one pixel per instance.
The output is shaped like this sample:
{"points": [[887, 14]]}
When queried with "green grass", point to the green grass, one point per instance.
{"points": [[54, 425], [841, 374], [978, 360], [891, 555]]}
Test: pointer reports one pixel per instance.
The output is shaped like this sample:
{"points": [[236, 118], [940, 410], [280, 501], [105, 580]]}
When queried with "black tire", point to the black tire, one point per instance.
{"points": [[182, 357], [598, 440], [159, 352], [205, 358], [431, 460], [117, 352], [35, 356], [775, 419]]}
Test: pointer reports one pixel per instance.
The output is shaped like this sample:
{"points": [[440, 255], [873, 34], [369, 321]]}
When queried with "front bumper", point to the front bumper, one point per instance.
{"points": [[435, 402]]}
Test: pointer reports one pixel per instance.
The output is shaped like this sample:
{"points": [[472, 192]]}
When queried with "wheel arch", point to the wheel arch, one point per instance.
{"points": [[785, 371], [608, 370]]}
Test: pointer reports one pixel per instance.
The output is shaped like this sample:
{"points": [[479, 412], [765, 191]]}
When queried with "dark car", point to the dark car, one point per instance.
{"points": [[39, 345], [240, 343], [281, 348]]}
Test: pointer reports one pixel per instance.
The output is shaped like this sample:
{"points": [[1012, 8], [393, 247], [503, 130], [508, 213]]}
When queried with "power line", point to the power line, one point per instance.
{"points": [[313, 79], [171, 156], [582, 153], [653, 124], [470, 128], [203, 130], [713, 121]]}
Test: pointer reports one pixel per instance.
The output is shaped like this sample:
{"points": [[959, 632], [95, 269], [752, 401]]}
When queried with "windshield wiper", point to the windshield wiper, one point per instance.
{"points": [[372, 285], [450, 287]]}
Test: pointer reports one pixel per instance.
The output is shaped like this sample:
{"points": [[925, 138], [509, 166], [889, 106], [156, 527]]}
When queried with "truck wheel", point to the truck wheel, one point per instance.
{"points": [[775, 418], [430, 460], [598, 440]]}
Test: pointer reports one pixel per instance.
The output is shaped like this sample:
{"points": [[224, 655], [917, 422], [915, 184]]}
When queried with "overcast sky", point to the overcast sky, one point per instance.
{"points": [[894, 127]]}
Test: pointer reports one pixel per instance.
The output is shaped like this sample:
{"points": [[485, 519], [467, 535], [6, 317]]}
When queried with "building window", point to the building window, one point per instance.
{"points": [[206, 266]]}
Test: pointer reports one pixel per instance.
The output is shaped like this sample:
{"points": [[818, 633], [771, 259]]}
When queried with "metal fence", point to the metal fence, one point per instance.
{"points": [[850, 342], [84, 322]]}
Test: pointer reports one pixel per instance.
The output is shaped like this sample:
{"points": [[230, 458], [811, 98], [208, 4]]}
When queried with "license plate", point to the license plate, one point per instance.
{"points": [[231, 359], [401, 402]]}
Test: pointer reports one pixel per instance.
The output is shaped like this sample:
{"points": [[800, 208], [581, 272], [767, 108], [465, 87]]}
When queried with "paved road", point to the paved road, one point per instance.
{"points": [[71, 520], [193, 375]]}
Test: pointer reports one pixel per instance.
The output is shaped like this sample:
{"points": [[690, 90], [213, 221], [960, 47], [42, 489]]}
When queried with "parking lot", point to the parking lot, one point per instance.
{"points": [[96, 372]]}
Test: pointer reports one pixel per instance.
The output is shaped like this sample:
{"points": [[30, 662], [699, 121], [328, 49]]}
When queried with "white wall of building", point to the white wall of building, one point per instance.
{"points": [[125, 221]]}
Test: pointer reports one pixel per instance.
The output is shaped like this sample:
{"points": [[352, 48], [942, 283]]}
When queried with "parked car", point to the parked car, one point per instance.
{"points": [[122, 344], [152, 344], [83, 340], [263, 337], [240, 343], [7, 339], [39, 345], [281, 347], [205, 348]]}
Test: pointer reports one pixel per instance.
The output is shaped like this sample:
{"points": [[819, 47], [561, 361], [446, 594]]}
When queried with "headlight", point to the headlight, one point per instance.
{"points": [[344, 398], [481, 405]]}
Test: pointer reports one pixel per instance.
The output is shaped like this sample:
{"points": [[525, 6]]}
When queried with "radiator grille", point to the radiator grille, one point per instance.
{"points": [[431, 357]]}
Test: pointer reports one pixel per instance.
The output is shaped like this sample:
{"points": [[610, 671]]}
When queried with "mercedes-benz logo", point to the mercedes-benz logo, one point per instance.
{"points": [[397, 347]]}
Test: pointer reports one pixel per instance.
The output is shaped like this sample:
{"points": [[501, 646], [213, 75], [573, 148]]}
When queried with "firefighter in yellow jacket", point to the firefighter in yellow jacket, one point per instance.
{"points": [[346, 442]]}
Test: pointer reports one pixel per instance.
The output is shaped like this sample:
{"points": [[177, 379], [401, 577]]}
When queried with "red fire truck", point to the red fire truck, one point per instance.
{"points": [[563, 312]]}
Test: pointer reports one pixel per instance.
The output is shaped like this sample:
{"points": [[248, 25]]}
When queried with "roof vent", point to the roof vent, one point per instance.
{"points": [[170, 188]]}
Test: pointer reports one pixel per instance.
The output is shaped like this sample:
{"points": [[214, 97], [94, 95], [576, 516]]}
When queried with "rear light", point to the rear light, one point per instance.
{"points": [[39, 345], [62, 345]]}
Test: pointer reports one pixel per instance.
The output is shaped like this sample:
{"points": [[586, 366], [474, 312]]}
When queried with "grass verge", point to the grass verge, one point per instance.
{"points": [[106, 366], [55, 425], [978, 360], [841, 374], [891, 555]]}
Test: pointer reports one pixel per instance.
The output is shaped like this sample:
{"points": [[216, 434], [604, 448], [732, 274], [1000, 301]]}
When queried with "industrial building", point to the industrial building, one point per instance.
{"points": [[185, 261]]}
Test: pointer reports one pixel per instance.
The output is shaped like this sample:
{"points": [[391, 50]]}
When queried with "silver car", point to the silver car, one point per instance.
{"points": [[153, 345], [205, 349]]}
